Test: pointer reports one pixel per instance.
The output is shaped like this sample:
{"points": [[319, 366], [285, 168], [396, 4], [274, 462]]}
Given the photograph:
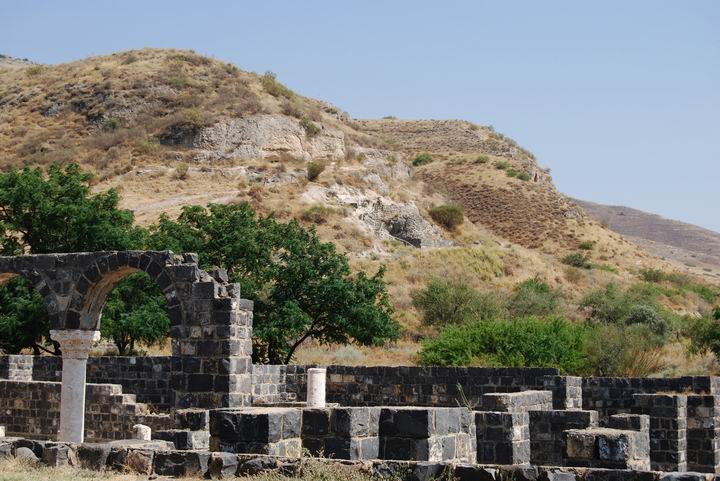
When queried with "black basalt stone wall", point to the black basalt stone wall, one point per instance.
{"points": [[415, 386]]}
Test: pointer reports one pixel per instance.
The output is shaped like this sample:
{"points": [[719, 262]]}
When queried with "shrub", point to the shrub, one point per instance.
{"points": [[608, 305], [482, 159], [317, 214], [510, 172], [111, 123], [422, 159], [314, 169], [311, 129], [586, 245], [148, 145], [273, 87], [524, 176], [444, 302], [637, 305], [450, 216], [35, 70], [648, 316], [181, 171], [707, 293], [533, 297], [501, 165], [577, 259], [652, 275], [619, 350], [520, 343]]}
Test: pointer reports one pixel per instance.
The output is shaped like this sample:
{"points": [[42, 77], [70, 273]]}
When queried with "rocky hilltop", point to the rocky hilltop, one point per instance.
{"points": [[169, 128]]}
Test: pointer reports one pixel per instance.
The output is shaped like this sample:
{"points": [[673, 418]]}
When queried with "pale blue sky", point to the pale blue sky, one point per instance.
{"points": [[620, 98]]}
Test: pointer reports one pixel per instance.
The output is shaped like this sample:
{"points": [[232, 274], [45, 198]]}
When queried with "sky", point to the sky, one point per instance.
{"points": [[620, 99]]}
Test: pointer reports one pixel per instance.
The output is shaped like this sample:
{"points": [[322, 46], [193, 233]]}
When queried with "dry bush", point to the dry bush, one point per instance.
{"points": [[106, 140], [273, 87], [314, 169]]}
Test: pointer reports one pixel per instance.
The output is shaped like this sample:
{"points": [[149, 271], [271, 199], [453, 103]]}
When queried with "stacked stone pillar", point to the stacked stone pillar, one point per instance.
{"points": [[703, 433], [668, 429], [212, 344]]}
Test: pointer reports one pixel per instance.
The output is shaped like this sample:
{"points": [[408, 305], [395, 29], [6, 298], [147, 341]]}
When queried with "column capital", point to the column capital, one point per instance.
{"points": [[75, 343]]}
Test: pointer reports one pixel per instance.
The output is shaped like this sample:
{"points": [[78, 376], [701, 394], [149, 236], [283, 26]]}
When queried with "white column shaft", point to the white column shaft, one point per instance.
{"points": [[72, 401], [75, 345], [316, 387]]}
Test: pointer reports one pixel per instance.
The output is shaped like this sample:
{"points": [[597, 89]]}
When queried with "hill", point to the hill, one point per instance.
{"points": [[698, 249], [169, 128]]}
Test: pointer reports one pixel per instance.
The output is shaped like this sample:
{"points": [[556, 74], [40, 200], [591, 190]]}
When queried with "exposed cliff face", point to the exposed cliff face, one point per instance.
{"points": [[271, 137]]}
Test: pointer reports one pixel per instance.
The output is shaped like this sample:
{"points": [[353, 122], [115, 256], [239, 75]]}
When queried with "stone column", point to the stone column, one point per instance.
{"points": [[316, 387], [75, 345]]}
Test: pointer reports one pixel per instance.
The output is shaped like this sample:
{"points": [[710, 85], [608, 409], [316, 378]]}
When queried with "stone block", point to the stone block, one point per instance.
{"points": [[547, 433], [26, 454], [223, 465], [406, 422], [427, 434], [184, 439], [502, 437], [630, 422], [192, 419], [139, 461], [518, 401], [181, 463], [59, 455], [341, 432], [6, 450], [607, 448], [273, 431], [93, 456]]}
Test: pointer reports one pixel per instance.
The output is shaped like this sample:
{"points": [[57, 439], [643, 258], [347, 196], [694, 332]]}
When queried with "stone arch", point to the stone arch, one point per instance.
{"points": [[102, 274], [11, 267]]}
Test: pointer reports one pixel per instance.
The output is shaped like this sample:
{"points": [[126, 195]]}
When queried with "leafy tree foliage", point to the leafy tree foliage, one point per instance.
{"points": [[57, 213], [135, 311], [302, 287], [23, 318], [52, 212]]}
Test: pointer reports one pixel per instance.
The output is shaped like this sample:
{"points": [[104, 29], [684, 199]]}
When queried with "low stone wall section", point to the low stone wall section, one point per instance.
{"points": [[614, 395], [32, 408], [416, 386], [152, 461]]}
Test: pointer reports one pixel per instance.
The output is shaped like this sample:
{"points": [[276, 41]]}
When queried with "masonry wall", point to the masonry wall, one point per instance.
{"points": [[32, 409], [614, 395], [145, 376], [416, 386]]}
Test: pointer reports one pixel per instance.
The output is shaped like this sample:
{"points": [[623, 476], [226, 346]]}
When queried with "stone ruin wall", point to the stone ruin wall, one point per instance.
{"points": [[518, 416], [521, 416]]}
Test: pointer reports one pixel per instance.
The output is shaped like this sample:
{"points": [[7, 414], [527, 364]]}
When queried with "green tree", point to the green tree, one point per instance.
{"points": [[57, 213], [23, 318], [45, 212], [135, 311], [301, 287]]}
